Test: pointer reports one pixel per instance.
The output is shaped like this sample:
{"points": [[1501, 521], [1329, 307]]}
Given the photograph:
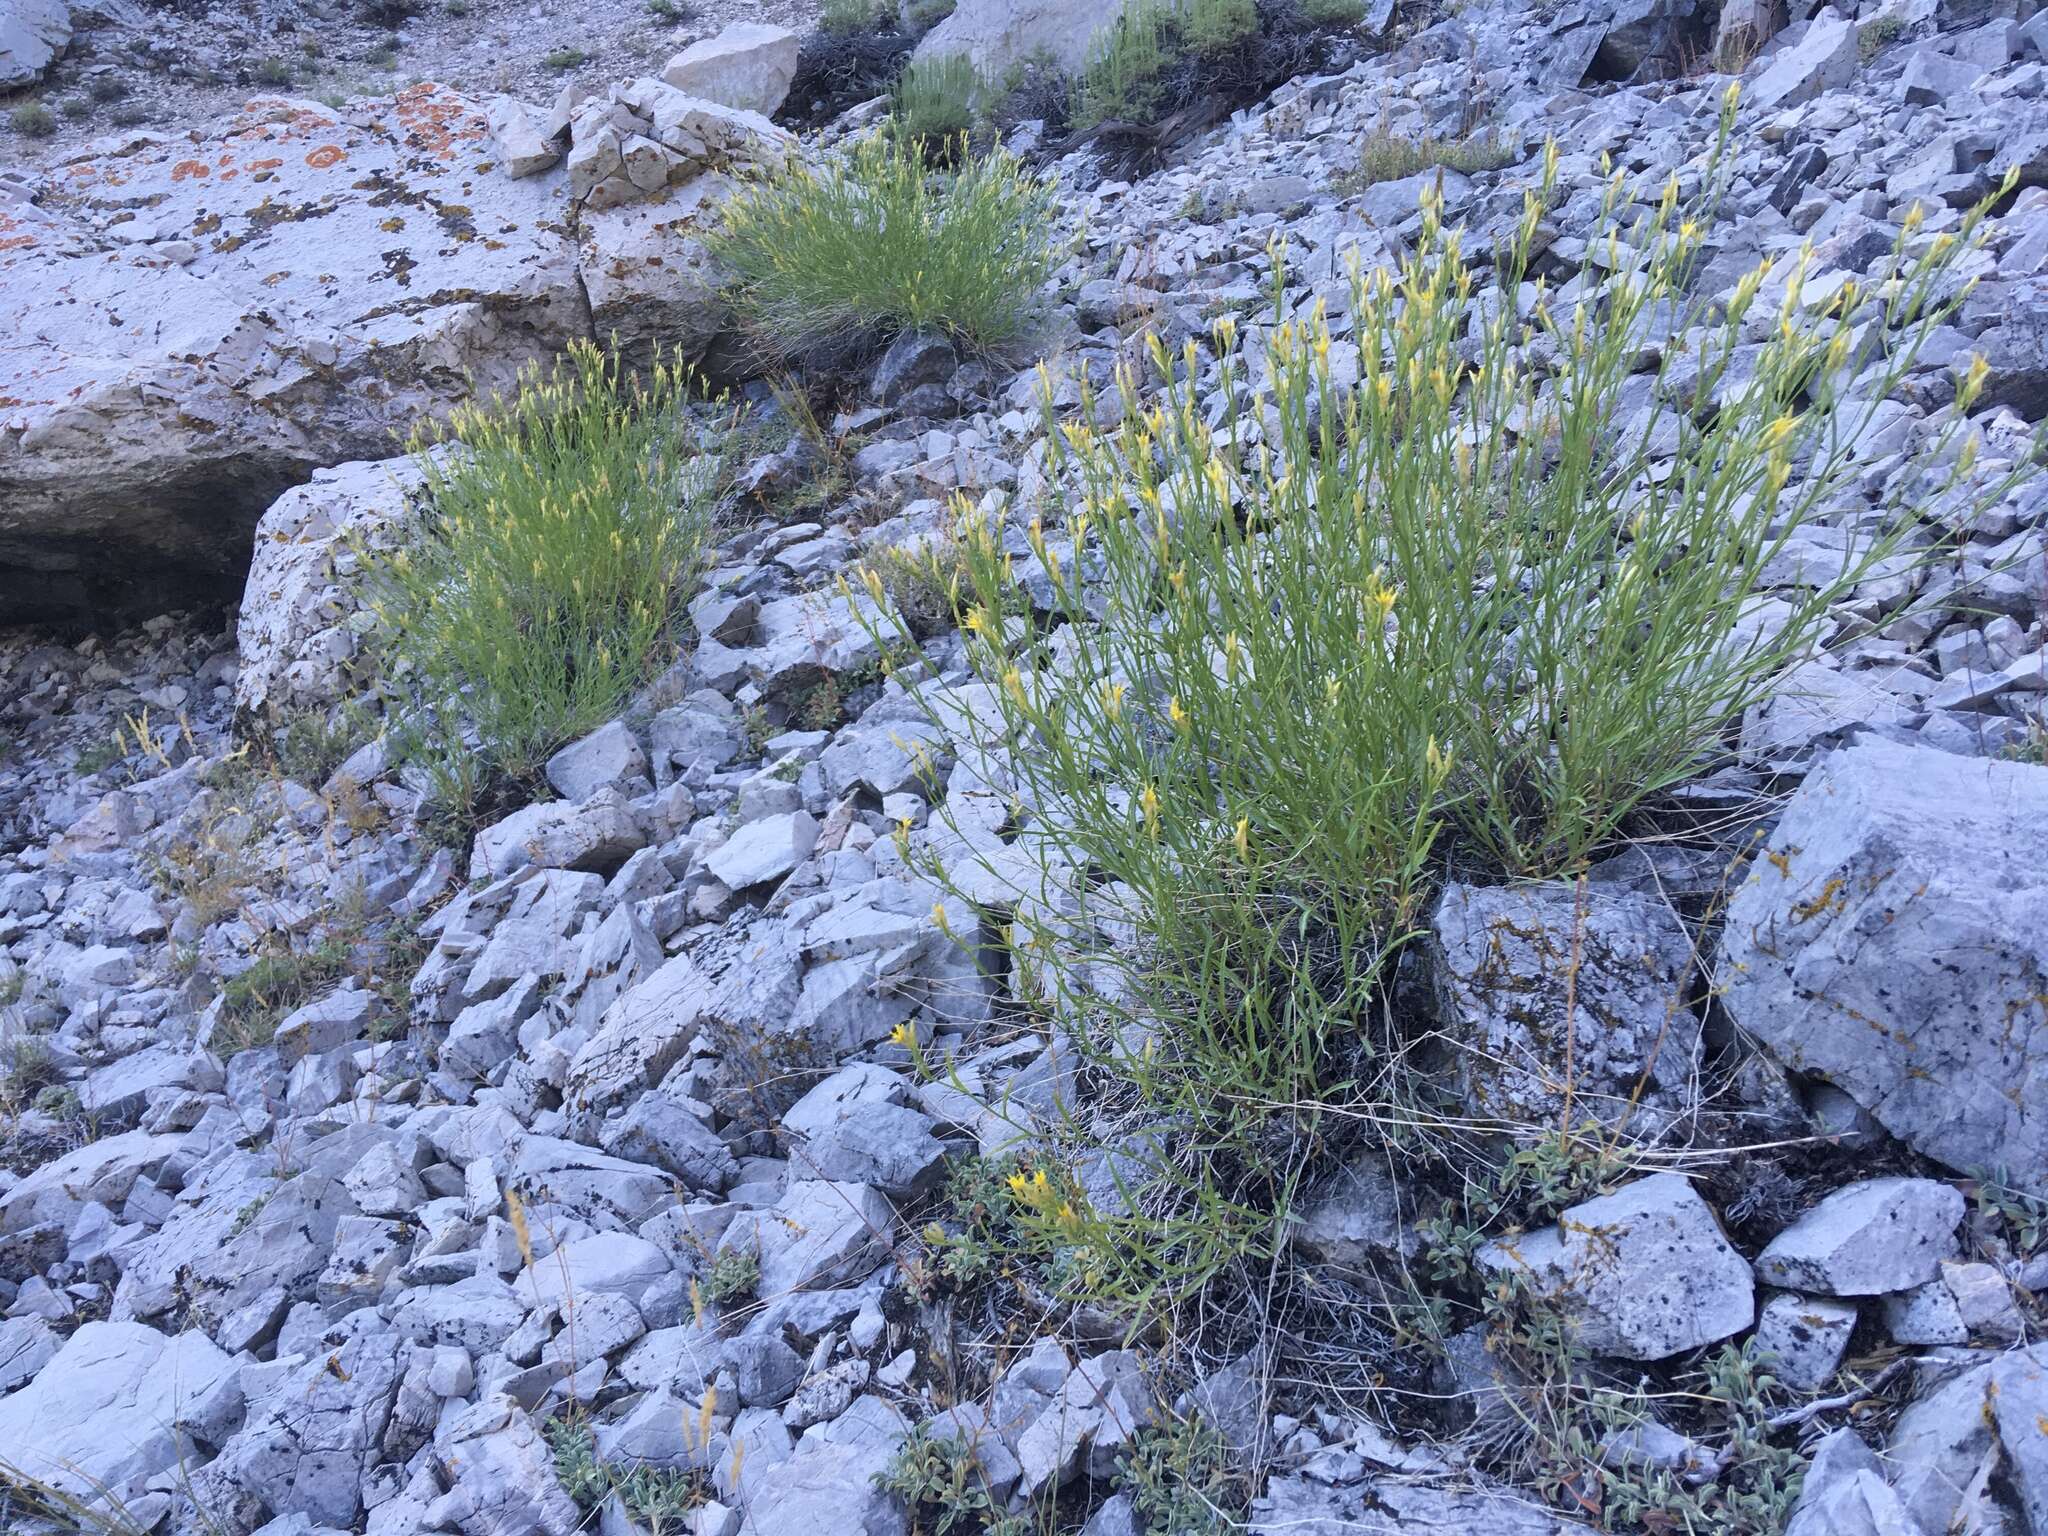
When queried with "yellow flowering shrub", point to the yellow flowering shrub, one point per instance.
{"points": [[1449, 591], [560, 534]]}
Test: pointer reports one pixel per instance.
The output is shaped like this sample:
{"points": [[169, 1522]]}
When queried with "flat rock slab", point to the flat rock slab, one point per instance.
{"points": [[189, 325], [1297, 1506], [101, 1413]]}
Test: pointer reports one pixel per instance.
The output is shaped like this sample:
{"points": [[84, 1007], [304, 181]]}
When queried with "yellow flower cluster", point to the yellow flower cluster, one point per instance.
{"points": [[1037, 1195]]}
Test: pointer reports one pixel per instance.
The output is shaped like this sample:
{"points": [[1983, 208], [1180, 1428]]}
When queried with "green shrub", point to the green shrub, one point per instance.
{"points": [[841, 17], [1179, 1480], [560, 537], [924, 583], [562, 60], [1389, 157], [1876, 35], [284, 979], [933, 104], [1454, 609], [1209, 26], [33, 120], [658, 1498], [840, 257], [1121, 80], [1125, 76], [1334, 13], [733, 1275], [309, 745], [942, 1482], [273, 71]]}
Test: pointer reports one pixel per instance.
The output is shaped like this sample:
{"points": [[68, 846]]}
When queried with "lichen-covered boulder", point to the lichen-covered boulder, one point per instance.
{"points": [[190, 325], [1889, 940]]}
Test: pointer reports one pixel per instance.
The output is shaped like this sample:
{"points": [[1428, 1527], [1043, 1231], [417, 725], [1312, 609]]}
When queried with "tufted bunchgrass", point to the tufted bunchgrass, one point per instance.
{"points": [[1121, 79], [835, 258], [560, 534], [1456, 591], [1124, 77], [1388, 156], [933, 103]]}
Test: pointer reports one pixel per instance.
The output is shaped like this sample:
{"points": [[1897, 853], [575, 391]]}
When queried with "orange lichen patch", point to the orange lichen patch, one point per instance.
{"points": [[16, 242], [185, 170], [265, 165], [433, 125], [326, 155]]}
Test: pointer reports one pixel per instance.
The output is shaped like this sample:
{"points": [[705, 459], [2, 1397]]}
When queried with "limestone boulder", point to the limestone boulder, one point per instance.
{"points": [[190, 325], [32, 33], [996, 34], [104, 1412], [1889, 941], [748, 65], [303, 607], [1644, 1273]]}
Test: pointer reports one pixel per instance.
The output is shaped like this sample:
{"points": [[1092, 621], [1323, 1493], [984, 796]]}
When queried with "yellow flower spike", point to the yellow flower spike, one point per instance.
{"points": [[1779, 430], [1972, 382], [1967, 458], [1177, 715], [1013, 684], [1219, 478], [1225, 331], [939, 919], [1148, 802], [1113, 700], [903, 1035], [1178, 579], [1439, 762], [1230, 655], [872, 580], [1157, 349], [1242, 840]]}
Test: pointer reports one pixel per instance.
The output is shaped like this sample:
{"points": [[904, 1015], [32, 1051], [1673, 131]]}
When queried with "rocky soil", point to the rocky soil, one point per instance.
{"points": [[345, 1162], [166, 68]]}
